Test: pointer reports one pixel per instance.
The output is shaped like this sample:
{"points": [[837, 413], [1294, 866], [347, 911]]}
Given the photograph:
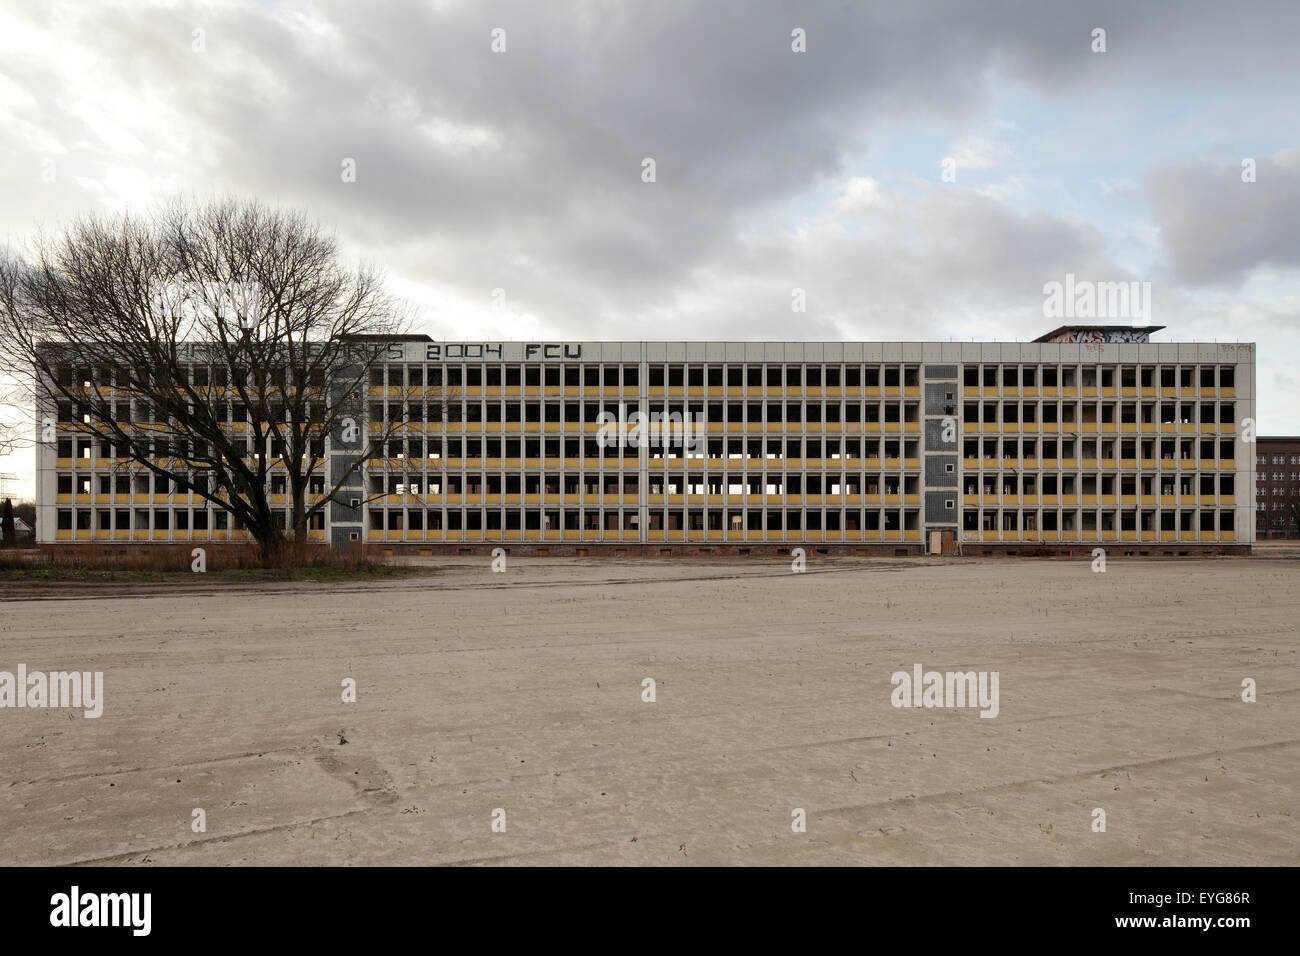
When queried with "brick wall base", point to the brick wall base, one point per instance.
{"points": [[1113, 550], [634, 550]]}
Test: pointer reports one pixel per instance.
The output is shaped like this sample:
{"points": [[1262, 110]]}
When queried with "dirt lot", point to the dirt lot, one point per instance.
{"points": [[523, 691]]}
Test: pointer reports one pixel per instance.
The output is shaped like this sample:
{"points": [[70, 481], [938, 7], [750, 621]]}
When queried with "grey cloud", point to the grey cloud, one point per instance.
{"points": [[1215, 228], [737, 123]]}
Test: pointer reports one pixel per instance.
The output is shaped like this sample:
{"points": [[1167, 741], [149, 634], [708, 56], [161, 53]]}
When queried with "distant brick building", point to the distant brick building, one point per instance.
{"points": [[1277, 487]]}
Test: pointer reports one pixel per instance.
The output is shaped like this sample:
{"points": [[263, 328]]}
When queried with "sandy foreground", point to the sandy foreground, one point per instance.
{"points": [[523, 691]]}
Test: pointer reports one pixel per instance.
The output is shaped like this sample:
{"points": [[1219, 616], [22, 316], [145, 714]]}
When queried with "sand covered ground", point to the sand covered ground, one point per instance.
{"points": [[523, 691]]}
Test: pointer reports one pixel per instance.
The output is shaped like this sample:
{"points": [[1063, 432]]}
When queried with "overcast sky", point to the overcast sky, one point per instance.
{"points": [[774, 170]]}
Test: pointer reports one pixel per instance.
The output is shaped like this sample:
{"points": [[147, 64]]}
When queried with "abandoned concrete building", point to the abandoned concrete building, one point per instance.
{"points": [[1087, 436]]}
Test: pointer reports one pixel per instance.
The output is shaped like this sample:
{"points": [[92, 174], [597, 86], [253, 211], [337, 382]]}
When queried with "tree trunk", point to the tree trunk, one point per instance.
{"points": [[271, 544], [299, 515]]}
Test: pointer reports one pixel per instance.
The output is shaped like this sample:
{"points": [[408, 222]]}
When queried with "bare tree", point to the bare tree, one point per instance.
{"points": [[217, 345], [11, 434]]}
